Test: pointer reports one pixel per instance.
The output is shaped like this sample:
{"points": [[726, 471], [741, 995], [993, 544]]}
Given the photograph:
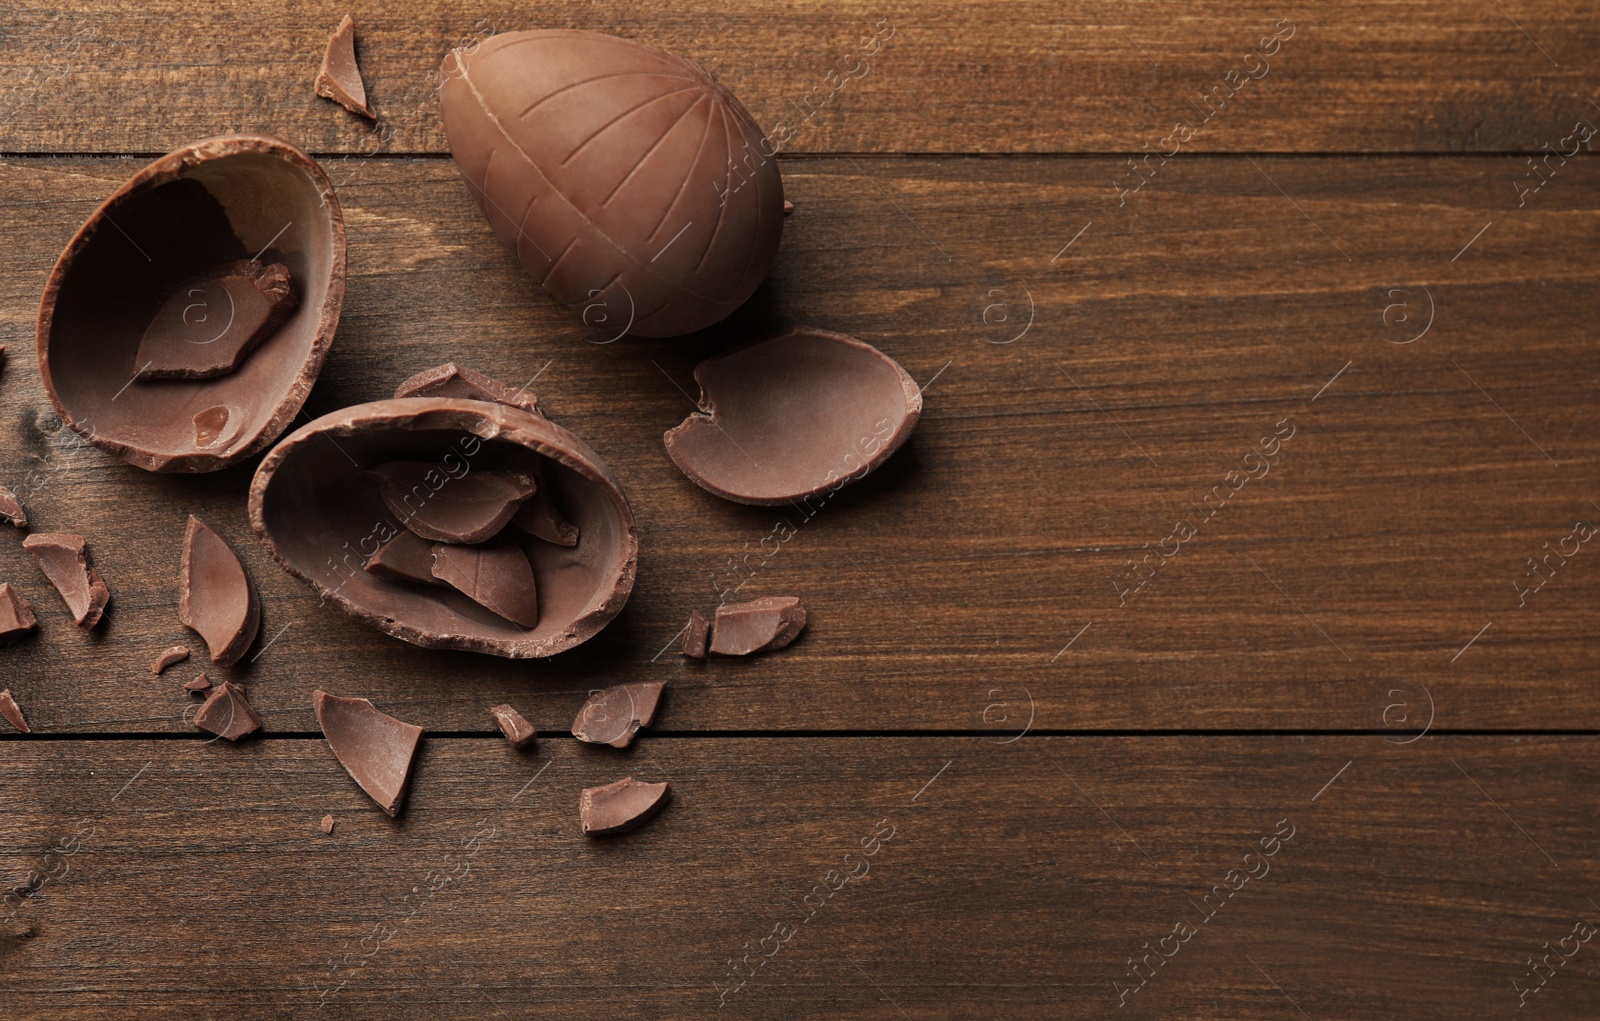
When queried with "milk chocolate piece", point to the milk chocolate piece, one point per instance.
{"points": [[374, 748], [631, 184], [198, 685], [516, 729], [227, 712], [793, 416], [340, 76], [538, 515], [11, 508], [169, 657], [613, 715], [327, 824], [788, 207], [16, 616], [761, 625], [452, 380], [215, 597], [65, 562], [406, 557], [621, 806], [696, 635], [13, 712], [495, 575], [437, 505], [211, 321]]}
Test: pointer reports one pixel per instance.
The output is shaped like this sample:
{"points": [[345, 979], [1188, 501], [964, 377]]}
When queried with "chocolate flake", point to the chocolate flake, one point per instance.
{"points": [[65, 561], [621, 806], [16, 616], [512, 724], [215, 597], [495, 575], [198, 685], [211, 321], [340, 76], [406, 557], [11, 508], [788, 207], [227, 712], [374, 748], [169, 657], [696, 635], [760, 625], [614, 715], [436, 505], [327, 824], [452, 380], [13, 712]]}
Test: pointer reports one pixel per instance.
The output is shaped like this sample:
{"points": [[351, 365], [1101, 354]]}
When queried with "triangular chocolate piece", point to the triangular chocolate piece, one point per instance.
{"points": [[340, 77], [373, 747]]}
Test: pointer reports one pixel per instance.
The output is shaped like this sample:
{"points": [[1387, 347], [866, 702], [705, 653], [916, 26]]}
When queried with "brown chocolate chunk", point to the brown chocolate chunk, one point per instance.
{"points": [[761, 625], [227, 712], [621, 806], [169, 657], [436, 504], [406, 557], [495, 575], [16, 616], [539, 516], [327, 824], [211, 321], [516, 729], [198, 685], [215, 597], [793, 416], [11, 508], [65, 561], [340, 76], [788, 207], [13, 712], [696, 635], [374, 748], [614, 715], [452, 380]]}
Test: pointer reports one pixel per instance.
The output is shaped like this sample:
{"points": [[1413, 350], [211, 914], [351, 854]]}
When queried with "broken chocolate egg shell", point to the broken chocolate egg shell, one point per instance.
{"points": [[207, 204], [792, 416], [320, 515]]}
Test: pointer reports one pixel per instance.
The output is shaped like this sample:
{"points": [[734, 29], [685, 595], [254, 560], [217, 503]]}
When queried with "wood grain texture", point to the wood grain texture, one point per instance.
{"points": [[1215, 308], [1018, 76], [1008, 881]]}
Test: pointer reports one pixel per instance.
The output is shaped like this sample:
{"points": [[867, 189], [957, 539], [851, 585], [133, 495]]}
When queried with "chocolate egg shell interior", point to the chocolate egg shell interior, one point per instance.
{"points": [[210, 203], [321, 517]]}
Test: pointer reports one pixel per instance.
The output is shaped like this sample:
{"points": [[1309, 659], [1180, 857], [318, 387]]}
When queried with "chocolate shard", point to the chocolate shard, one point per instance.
{"points": [[613, 715], [373, 747], [169, 657], [198, 685], [340, 76], [227, 712], [696, 635], [16, 616], [65, 561], [452, 380], [406, 557], [327, 824], [13, 712], [512, 724], [437, 505], [495, 575], [211, 321], [761, 625], [215, 597], [11, 508], [621, 806], [788, 207], [539, 516]]}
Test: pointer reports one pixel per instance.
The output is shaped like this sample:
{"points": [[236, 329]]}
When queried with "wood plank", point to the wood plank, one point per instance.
{"points": [[1409, 881], [1386, 549], [947, 76]]}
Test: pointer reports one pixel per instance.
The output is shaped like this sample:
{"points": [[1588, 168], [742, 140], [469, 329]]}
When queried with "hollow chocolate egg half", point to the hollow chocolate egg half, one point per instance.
{"points": [[187, 319]]}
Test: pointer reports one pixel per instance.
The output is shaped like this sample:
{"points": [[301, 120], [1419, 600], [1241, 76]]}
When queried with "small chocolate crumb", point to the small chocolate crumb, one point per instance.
{"points": [[340, 76], [327, 824], [373, 747], [199, 686], [215, 597], [13, 712], [696, 635], [788, 207], [512, 724], [619, 807], [495, 575], [11, 508], [16, 616], [406, 557], [614, 715], [65, 561], [210, 322], [466, 509], [227, 712], [760, 625], [169, 657]]}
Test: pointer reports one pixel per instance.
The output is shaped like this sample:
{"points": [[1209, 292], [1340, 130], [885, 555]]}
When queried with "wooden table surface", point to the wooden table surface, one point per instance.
{"points": [[1335, 758]]}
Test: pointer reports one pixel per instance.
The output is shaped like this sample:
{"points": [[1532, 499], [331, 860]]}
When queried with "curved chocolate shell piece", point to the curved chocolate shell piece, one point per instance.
{"points": [[621, 806], [438, 505], [625, 178], [452, 380], [311, 506], [373, 747], [16, 616], [614, 715], [760, 625], [215, 597], [793, 415], [64, 559], [204, 206], [339, 79], [495, 575]]}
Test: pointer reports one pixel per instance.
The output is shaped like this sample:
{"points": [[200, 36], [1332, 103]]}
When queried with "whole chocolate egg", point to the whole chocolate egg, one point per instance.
{"points": [[631, 184]]}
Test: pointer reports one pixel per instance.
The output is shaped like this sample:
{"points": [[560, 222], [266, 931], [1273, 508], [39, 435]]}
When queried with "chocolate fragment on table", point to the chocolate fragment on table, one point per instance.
{"points": [[169, 657], [468, 508], [210, 322], [215, 596], [198, 686], [65, 561], [696, 635], [13, 712], [11, 508], [339, 79], [613, 715], [16, 616], [327, 824], [373, 747], [495, 575], [452, 380], [621, 806], [761, 625], [788, 207], [227, 712], [512, 724], [406, 557]]}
